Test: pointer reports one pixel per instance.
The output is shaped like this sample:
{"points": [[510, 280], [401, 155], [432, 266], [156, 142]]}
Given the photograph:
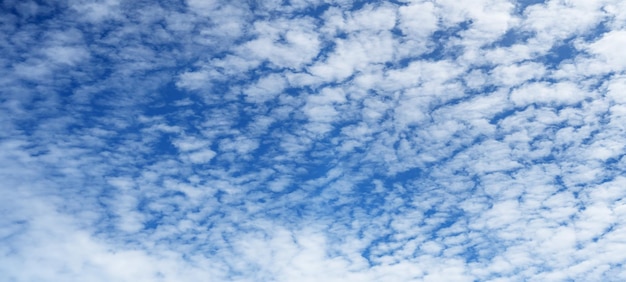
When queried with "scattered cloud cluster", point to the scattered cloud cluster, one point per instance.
{"points": [[311, 140]]}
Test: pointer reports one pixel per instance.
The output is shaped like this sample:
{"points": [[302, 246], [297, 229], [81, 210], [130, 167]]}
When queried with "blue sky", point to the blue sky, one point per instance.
{"points": [[309, 140]]}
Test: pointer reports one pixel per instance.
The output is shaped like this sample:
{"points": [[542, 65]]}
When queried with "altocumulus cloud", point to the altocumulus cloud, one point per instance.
{"points": [[311, 140]]}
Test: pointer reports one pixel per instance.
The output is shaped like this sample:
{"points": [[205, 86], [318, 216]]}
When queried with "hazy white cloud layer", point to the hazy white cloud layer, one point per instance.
{"points": [[305, 140]]}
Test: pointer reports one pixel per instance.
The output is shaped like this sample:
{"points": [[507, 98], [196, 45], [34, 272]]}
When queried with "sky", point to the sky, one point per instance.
{"points": [[307, 140]]}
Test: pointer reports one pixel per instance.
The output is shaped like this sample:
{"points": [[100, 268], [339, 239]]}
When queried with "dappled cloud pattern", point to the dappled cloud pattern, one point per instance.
{"points": [[309, 140]]}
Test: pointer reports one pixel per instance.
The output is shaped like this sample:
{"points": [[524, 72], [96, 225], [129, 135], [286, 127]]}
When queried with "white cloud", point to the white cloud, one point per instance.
{"points": [[201, 156], [266, 88], [97, 11], [284, 44], [608, 49], [202, 6], [66, 55], [194, 80], [547, 20], [311, 140], [557, 94], [418, 19], [516, 74], [616, 88]]}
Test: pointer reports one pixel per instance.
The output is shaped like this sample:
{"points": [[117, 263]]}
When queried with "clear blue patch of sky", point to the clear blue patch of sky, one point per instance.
{"points": [[442, 38], [512, 37], [563, 51], [523, 4], [359, 4]]}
